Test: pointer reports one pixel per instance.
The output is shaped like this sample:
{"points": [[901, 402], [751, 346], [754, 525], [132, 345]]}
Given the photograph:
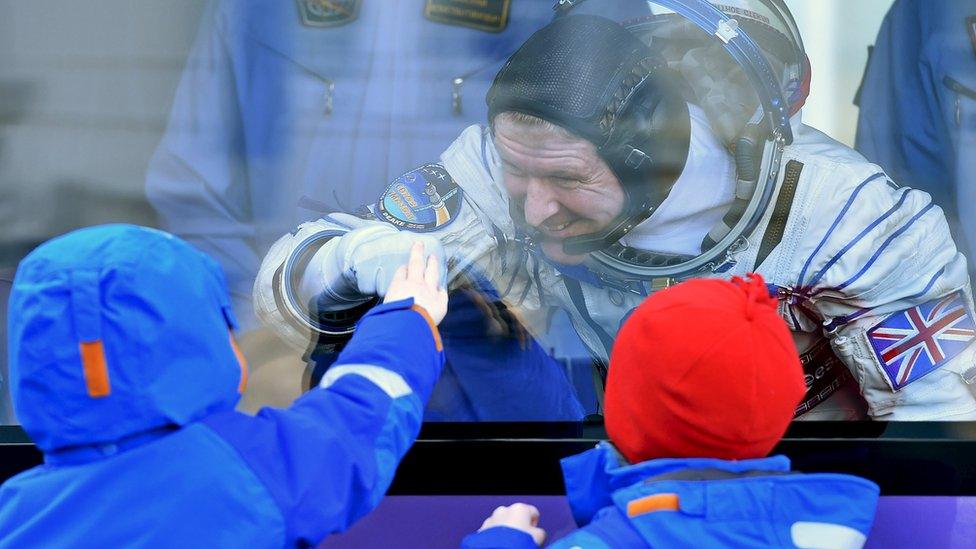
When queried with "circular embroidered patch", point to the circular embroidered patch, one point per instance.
{"points": [[327, 13], [421, 200]]}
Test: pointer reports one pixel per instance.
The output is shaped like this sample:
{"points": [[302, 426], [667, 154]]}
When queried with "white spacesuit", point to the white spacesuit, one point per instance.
{"points": [[856, 261]]}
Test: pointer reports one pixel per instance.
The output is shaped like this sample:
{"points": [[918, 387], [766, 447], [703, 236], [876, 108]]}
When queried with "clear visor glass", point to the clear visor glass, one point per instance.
{"points": [[717, 81]]}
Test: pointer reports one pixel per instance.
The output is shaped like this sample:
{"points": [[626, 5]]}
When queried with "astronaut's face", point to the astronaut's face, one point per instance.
{"points": [[557, 181]]}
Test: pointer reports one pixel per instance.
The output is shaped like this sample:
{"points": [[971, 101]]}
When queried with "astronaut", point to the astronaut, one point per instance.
{"points": [[629, 151]]}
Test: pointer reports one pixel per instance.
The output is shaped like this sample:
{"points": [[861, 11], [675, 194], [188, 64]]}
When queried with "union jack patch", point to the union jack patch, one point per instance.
{"points": [[914, 342]]}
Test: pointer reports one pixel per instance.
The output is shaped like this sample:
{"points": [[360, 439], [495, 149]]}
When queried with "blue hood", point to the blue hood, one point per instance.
{"points": [[115, 331]]}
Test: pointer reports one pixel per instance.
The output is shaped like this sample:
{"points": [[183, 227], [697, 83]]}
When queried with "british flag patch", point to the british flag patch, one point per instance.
{"points": [[912, 343]]}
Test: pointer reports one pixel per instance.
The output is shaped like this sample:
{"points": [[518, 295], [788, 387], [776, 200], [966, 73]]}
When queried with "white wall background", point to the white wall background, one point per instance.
{"points": [[85, 91]]}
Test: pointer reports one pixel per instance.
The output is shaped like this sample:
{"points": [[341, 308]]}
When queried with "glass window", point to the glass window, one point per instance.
{"points": [[230, 124]]}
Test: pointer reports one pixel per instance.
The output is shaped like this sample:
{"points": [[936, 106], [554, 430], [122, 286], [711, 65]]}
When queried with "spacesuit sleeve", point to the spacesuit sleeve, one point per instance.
{"points": [[197, 178], [329, 458], [423, 203], [879, 273]]}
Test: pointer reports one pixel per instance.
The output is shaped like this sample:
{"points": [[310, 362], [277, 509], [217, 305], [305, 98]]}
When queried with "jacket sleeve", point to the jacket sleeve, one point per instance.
{"points": [[610, 529], [329, 458], [498, 537], [878, 272], [197, 179]]}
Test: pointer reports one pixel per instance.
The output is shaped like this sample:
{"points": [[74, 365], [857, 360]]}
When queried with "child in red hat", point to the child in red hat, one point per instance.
{"points": [[704, 380]]}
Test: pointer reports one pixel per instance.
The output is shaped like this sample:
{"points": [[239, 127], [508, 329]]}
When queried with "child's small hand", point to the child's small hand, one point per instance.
{"points": [[420, 282], [520, 516]]}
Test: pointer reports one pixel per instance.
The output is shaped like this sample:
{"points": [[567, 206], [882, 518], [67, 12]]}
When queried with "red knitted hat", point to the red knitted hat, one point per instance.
{"points": [[704, 369]]}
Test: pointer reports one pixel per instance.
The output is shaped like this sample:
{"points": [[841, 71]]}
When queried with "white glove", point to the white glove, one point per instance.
{"points": [[360, 264]]}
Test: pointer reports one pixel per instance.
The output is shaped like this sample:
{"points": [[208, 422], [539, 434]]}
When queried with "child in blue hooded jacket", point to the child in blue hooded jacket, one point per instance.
{"points": [[703, 382], [125, 373]]}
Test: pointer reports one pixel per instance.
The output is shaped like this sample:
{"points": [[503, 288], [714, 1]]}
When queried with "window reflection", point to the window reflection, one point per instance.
{"points": [[232, 123]]}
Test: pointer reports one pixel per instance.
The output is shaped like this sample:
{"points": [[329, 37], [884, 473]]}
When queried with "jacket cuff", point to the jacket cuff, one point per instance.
{"points": [[391, 306], [397, 337], [499, 537], [408, 304]]}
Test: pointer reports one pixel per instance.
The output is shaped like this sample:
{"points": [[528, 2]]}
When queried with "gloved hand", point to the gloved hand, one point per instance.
{"points": [[361, 264]]}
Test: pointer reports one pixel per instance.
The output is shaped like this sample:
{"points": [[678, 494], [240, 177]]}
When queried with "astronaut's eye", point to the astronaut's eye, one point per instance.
{"points": [[566, 182]]}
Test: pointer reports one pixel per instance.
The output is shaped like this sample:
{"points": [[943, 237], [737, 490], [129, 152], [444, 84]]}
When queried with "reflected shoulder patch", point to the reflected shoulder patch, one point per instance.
{"points": [[486, 15], [327, 13], [421, 200]]}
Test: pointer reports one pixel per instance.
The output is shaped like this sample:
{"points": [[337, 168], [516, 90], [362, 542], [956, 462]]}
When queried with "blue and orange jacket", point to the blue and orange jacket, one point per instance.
{"points": [[702, 503], [125, 374]]}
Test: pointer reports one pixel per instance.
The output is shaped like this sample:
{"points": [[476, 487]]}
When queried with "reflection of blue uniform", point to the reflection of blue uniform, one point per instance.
{"points": [[918, 107], [274, 120], [507, 376], [142, 446], [703, 503]]}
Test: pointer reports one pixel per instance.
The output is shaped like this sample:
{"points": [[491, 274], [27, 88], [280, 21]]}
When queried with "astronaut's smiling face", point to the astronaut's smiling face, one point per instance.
{"points": [[557, 181]]}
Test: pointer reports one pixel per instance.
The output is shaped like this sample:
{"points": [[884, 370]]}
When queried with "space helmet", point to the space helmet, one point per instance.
{"points": [[741, 61]]}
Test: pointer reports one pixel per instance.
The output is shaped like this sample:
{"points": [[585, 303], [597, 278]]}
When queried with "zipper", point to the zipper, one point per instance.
{"points": [[776, 227], [457, 98], [961, 91]]}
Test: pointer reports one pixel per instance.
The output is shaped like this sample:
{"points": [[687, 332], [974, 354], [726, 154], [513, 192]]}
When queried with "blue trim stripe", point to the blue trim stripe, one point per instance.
{"points": [[528, 285], [823, 271], [523, 256], [578, 272], [538, 280], [841, 320], [796, 321], [836, 222], [880, 249], [575, 290], [329, 218], [502, 251], [929, 285]]}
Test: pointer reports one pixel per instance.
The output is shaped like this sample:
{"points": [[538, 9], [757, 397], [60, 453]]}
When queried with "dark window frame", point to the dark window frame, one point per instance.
{"points": [[904, 458]]}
